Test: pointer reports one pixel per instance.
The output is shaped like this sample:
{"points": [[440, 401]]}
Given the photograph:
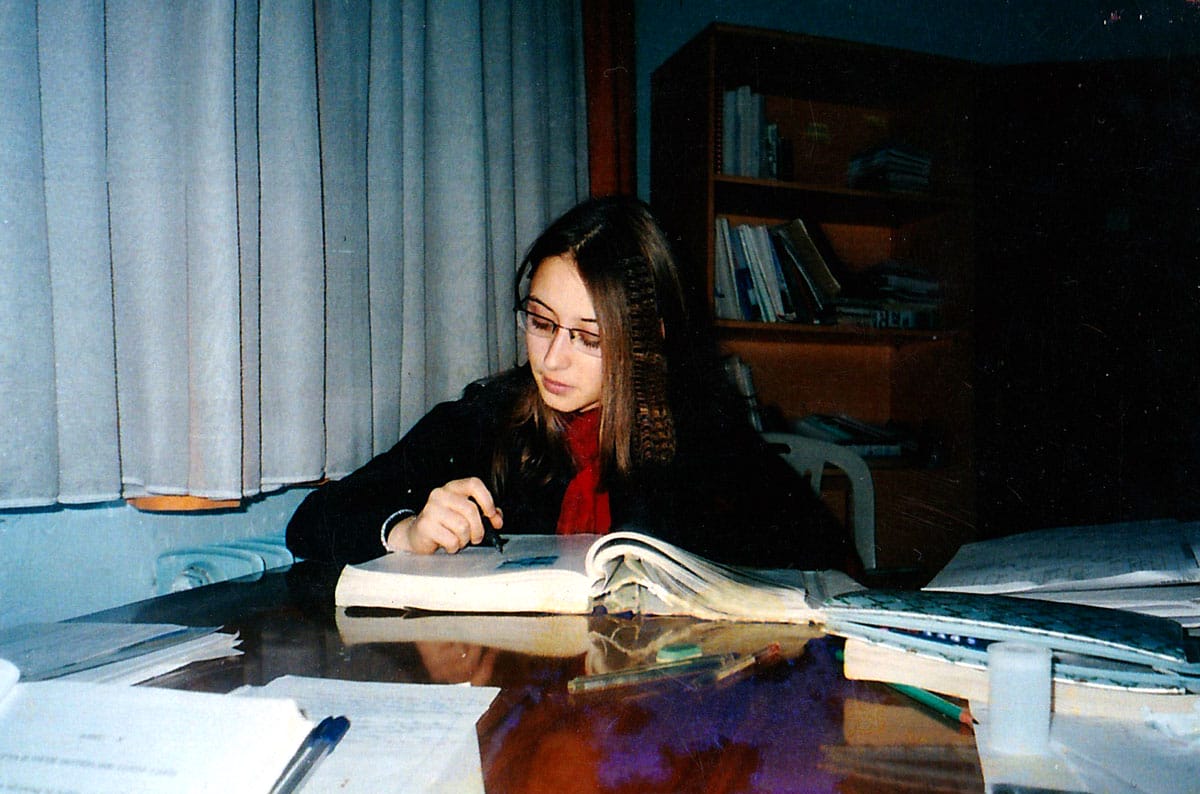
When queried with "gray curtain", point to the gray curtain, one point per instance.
{"points": [[248, 244]]}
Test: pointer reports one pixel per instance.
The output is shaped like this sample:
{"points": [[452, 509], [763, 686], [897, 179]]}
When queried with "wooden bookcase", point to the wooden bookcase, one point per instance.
{"points": [[832, 100]]}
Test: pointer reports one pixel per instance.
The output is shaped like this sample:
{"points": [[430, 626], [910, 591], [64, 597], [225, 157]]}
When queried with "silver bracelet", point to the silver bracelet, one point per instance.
{"points": [[391, 521]]}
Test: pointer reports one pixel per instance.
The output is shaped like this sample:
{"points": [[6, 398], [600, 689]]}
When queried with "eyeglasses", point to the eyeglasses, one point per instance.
{"points": [[586, 342]]}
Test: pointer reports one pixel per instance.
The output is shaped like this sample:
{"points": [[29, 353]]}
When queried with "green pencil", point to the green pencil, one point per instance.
{"points": [[942, 706]]}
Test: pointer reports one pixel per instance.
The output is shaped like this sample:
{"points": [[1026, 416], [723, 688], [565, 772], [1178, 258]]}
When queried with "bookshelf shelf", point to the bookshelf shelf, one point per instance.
{"points": [[843, 334], [739, 195], [830, 101]]}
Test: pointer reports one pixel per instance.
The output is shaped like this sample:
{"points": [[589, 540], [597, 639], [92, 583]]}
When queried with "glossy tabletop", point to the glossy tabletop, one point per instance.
{"points": [[795, 726]]}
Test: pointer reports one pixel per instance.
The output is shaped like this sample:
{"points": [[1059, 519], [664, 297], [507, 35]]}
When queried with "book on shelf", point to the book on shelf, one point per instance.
{"points": [[809, 303], [890, 313], [575, 574], [762, 280], [891, 168], [727, 300], [767, 272], [867, 439], [1149, 566], [90, 737], [749, 145], [892, 294], [900, 280], [750, 301], [814, 260]]}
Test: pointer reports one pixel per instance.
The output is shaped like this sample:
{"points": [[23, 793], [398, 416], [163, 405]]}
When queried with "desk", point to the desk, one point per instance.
{"points": [[798, 726]]}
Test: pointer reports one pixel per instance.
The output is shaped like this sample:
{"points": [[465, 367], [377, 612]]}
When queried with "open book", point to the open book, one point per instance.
{"points": [[574, 574]]}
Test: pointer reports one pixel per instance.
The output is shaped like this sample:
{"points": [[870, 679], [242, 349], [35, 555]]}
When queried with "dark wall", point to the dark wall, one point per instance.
{"points": [[1088, 286]]}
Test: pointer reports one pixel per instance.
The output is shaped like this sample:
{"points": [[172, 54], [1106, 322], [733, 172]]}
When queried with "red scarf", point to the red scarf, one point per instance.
{"points": [[584, 506]]}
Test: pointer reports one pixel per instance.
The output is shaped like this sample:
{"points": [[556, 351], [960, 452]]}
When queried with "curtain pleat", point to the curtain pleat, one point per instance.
{"points": [[343, 54], [71, 66], [385, 217], [292, 265], [248, 244], [214, 278], [28, 426]]}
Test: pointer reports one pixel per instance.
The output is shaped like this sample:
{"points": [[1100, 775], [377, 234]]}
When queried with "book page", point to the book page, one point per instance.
{"points": [[1085, 557], [420, 735], [644, 574], [70, 736]]}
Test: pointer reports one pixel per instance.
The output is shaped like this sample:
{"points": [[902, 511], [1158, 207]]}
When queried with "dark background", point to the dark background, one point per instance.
{"points": [[1088, 293]]}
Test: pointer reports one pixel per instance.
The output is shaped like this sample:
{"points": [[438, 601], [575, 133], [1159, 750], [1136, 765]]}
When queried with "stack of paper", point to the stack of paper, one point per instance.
{"points": [[1147, 566], [105, 738], [123, 653]]}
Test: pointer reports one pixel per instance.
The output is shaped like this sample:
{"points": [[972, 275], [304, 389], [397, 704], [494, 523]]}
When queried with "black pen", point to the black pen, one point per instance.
{"points": [[490, 536]]}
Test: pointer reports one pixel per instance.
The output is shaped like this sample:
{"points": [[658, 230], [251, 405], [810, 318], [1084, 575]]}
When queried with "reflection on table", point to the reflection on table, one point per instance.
{"points": [[797, 725]]}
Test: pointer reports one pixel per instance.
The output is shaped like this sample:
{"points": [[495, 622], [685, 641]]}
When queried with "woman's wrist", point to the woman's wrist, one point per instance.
{"points": [[389, 537]]}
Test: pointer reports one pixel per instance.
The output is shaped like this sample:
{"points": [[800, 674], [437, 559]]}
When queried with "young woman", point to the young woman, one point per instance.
{"points": [[621, 418]]}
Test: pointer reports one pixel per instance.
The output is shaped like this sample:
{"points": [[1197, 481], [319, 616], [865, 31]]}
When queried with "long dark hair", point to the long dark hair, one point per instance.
{"points": [[630, 270]]}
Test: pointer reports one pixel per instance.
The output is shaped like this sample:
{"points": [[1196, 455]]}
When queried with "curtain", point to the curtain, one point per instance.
{"points": [[247, 244]]}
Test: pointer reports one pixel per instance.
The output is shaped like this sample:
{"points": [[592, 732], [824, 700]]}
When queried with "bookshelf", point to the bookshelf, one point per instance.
{"points": [[831, 100]]}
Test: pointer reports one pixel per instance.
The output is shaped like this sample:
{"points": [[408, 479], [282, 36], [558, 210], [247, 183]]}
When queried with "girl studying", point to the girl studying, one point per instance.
{"points": [[620, 418]]}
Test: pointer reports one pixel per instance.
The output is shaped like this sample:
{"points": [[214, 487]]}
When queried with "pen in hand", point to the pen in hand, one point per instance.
{"points": [[490, 536]]}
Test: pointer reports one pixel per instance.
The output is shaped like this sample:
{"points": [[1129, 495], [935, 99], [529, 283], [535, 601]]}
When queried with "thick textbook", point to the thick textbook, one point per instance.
{"points": [[893, 664], [575, 574], [1124, 647]]}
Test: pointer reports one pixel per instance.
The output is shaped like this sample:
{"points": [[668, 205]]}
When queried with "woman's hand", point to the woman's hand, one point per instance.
{"points": [[450, 520]]}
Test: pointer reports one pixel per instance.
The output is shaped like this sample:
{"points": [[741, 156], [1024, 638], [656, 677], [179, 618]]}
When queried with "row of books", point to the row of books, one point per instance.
{"points": [[771, 274], [778, 273], [750, 145]]}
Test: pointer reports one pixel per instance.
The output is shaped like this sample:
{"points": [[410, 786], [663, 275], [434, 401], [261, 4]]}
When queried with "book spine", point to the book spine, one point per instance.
{"points": [[809, 292], [725, 296]]}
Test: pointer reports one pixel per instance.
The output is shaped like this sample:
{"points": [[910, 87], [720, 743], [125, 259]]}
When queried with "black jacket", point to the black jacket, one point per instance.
{"points": [[725, 496]]}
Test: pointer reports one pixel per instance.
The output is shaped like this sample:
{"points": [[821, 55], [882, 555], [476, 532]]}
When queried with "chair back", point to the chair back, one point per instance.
{"points": [[810, 456]]}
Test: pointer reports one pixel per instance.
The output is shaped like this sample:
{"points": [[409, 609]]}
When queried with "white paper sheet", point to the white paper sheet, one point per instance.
{"points": [[102, 738], [402, 737]]}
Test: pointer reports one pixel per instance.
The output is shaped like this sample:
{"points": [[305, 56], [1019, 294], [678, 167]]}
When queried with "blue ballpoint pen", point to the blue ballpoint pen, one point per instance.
{"points": [[319, 742]]}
